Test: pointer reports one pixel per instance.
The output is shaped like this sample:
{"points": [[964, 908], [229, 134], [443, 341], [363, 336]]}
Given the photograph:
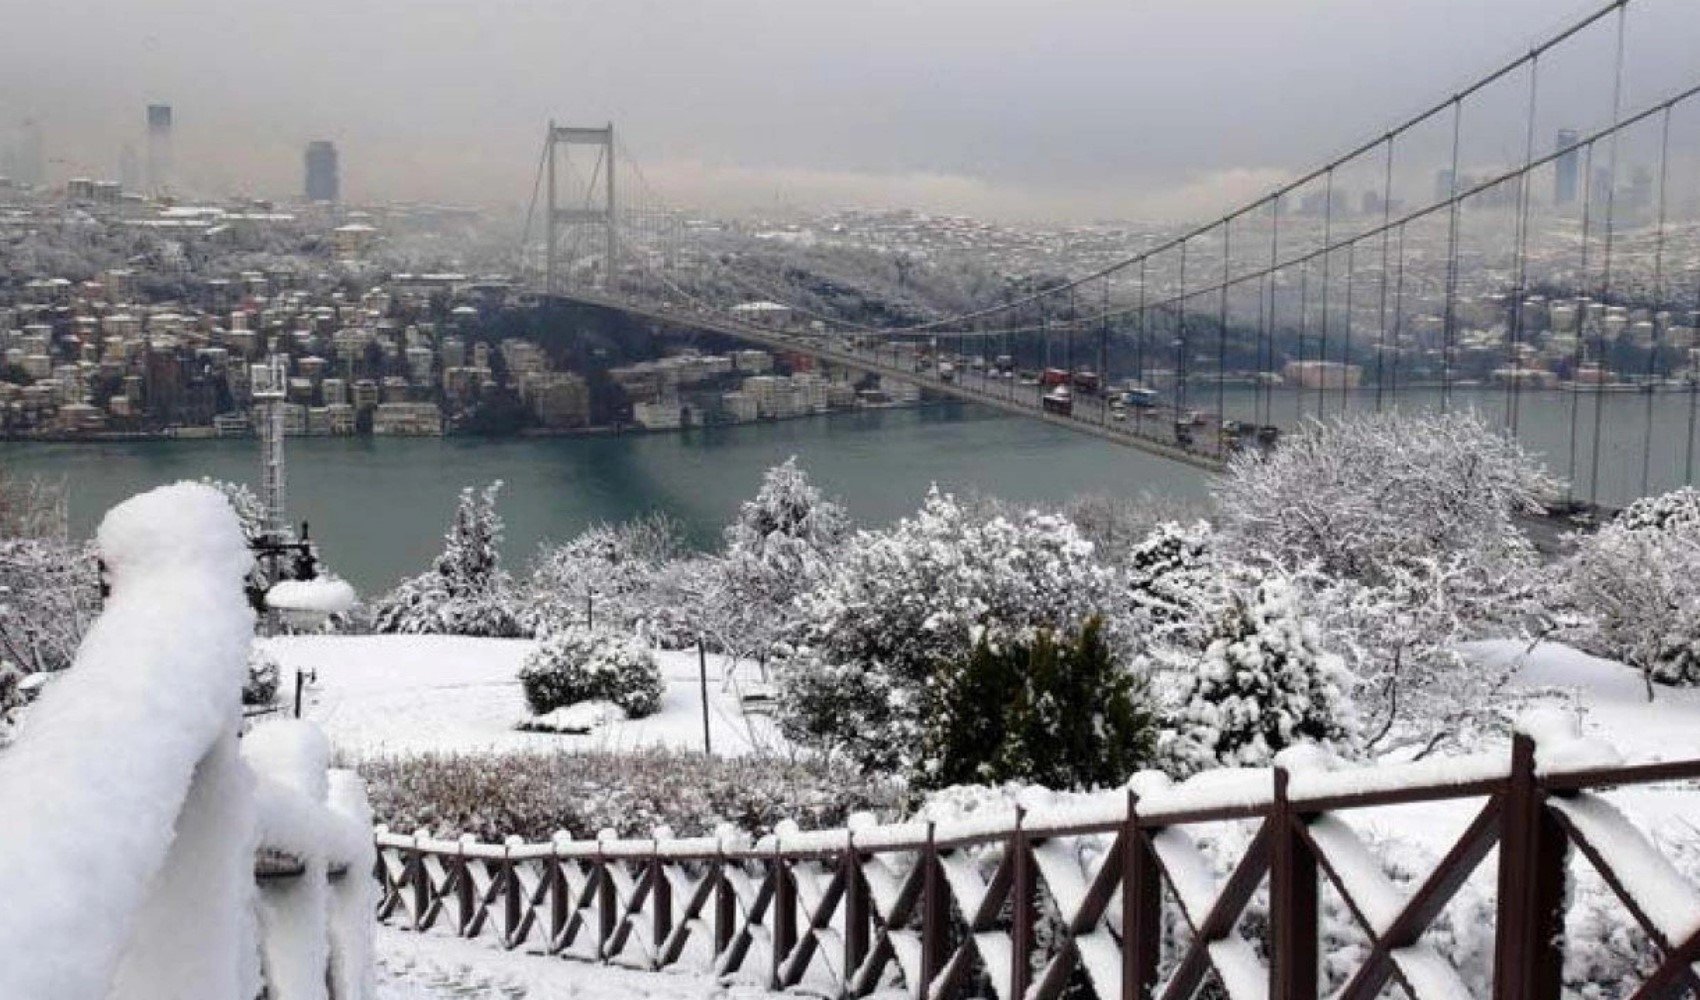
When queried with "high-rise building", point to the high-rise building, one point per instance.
{"points": [[1565, 168], [322, 181], [159, 148]]}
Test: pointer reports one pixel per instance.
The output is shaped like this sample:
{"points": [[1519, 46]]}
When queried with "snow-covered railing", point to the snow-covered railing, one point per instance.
{"points": [[1143, 892], [146, 852]]}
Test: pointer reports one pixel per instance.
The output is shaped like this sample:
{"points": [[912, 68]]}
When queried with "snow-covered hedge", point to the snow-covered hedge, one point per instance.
{"points": [[578, 664], [533, 794]]}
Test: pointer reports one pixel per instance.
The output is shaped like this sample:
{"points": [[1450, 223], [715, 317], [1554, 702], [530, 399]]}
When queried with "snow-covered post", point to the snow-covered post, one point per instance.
{"points": [[660, 896], [1292, 900], [134, 877], [1021, 905], [1528, 951], [1142, 907]]}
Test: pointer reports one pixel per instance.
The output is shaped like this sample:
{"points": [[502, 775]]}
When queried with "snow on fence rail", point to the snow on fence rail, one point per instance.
{"points": [[954, 909]]}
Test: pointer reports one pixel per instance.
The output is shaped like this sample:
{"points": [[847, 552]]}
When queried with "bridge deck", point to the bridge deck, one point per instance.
{"points": [[1091, 415]]}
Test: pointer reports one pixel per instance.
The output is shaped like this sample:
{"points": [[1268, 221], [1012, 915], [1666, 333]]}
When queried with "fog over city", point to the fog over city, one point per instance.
{"points": [[1015, 109]]}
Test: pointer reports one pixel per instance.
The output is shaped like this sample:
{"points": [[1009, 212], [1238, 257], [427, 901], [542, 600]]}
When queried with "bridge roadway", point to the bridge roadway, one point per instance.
{"points": [[1152, 432]]}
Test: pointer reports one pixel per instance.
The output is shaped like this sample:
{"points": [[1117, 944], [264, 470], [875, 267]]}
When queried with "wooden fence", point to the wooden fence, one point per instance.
{"points": [[1082, 892]]}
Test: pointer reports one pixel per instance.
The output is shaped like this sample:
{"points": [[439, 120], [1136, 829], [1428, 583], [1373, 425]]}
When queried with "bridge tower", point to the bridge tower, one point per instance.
{"points": [[570, 217]]}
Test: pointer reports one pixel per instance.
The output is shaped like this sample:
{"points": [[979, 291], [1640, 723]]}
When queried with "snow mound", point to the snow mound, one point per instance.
{"points": [[322, 596], [574, 720], [95, 795]]}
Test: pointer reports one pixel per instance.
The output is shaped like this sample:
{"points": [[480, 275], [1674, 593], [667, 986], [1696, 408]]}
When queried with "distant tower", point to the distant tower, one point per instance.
{"points": [[1566, 168], [159, 148], [322, 181], [599, 216], [269, 384]]}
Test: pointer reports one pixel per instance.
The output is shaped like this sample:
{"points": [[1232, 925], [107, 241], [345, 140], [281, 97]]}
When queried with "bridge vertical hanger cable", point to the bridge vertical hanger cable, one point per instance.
{"points": [[1513, 409], [1304, 330], [1181, 346], [1449, 318], [1658, 302], [1582, 303], [1606, 249], [1327, 258], [1104, 381], [1346, 348], [1222, 330], [1693, 392], [1386, 239], [1398, 310], [1269, 329]]}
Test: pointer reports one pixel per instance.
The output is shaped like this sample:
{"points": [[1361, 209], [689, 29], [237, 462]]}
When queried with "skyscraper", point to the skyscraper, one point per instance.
{"points": [[322, 182], [159, 148], [1565, 168]]}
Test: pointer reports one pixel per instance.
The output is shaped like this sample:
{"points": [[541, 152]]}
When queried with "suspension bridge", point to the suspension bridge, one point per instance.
{"points": [[1527, 245]]}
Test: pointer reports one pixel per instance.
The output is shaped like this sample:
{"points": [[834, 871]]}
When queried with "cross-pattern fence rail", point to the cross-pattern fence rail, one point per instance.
{"points": [[1026, 905]]}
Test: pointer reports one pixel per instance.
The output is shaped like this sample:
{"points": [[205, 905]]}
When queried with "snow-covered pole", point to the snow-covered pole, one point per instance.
{"points": [[1292, 899], [1142, 907]]}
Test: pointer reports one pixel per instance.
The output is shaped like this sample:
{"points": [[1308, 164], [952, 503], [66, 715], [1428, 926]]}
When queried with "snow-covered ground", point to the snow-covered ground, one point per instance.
{"points": [[433, 967], [388, 694]]}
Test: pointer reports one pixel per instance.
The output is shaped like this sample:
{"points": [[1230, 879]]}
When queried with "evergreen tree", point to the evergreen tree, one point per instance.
{"points": [[1062, 714], [1262, 684], [465, 592]]}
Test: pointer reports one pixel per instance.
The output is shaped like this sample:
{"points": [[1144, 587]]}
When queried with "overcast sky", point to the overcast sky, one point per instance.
{"points": [[1068, 108]]}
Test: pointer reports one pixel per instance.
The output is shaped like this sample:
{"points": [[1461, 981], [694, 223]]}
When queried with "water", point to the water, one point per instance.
{"points": [[379, 506]]}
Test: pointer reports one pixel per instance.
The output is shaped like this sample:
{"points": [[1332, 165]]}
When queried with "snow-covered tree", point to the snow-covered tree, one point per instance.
{"points": [[1403, 644], [780, 544], [608, 573], [1262, 684], [49, 585], [1360, 495], [466, 591], [856, 669], [1633, 587]]}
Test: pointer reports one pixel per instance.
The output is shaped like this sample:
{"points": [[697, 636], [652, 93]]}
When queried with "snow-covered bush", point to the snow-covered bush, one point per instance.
{"points": [[1262, 684], [260, 687], [577, 664], [49, 595], [533, 794], [466, 591], [1056, 711], [855, 670], [1633, 586], [1359, 495]]}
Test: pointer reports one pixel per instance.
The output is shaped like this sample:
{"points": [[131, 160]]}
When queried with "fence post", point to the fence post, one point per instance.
{"points": [[784, 914], [1142, 909], [1292, 902], [607, 903], [1021, 907], [512, 899], [725, 905], [661, 901], [466, 900], [560, 903], [421, 886], [1528, 958], [935, 914], [855, 914]]}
